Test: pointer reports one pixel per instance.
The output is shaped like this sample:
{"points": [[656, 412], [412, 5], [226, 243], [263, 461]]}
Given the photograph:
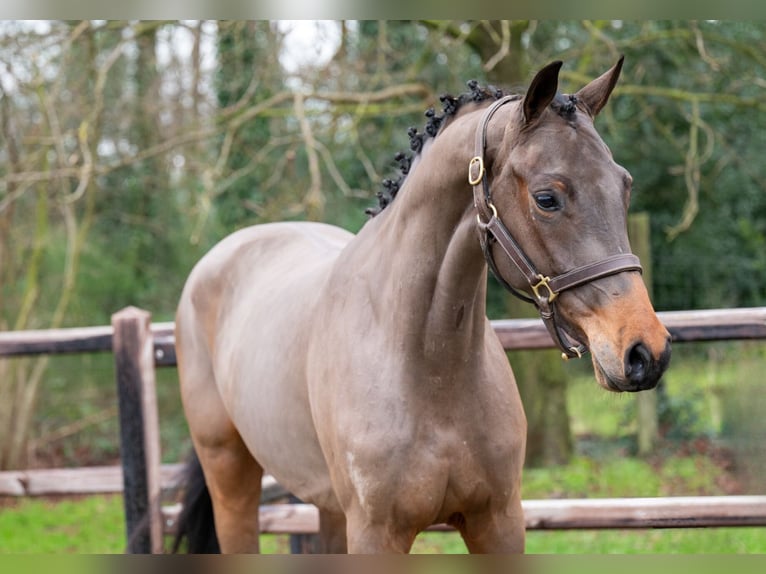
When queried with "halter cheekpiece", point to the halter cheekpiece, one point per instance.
{"points": [[544, 289]]}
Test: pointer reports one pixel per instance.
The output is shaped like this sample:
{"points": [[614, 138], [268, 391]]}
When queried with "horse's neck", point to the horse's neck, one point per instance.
{"points": [[434, 271]]}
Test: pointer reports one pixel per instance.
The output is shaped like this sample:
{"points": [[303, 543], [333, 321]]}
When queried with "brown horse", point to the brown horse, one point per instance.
{"points": [[362, 372]]}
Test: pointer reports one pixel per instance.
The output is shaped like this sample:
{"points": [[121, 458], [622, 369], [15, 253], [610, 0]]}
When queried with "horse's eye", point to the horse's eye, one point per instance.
{"points": [[547, 201]]}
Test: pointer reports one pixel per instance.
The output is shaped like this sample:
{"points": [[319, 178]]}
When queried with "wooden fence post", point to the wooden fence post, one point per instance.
{"points": [[139, 429], [647, 417]]}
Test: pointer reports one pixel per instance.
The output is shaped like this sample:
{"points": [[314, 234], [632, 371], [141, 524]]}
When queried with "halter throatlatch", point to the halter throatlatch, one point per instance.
{"points": [[544, 289]]}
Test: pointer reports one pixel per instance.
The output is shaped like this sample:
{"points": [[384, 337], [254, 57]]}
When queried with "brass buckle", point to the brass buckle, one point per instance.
{"points": [[478, 160], [544, 282], [492, 207], [575, 351]]}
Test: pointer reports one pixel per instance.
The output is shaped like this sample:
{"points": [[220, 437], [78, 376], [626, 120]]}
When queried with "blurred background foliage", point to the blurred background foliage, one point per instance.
{"points": [[129, 148]]}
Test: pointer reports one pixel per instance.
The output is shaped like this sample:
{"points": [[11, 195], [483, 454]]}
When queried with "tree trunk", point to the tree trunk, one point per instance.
{"points": [[542, 383], [647, 419], [498, 42], [539, 374], [20, 379]]}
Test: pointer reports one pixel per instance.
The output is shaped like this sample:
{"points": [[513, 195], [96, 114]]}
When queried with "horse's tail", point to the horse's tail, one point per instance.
{"points": [[195, 523]]}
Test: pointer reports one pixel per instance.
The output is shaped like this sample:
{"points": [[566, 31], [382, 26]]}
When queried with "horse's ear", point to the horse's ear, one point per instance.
{"points": [[596, 94], [541, 91]]}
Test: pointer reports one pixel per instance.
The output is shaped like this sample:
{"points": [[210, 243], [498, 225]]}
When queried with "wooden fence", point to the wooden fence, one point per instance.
{"points": [[140, 346]]}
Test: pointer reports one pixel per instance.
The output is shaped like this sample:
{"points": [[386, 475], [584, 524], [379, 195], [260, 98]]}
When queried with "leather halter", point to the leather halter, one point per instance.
{"points": [[544, 289]]}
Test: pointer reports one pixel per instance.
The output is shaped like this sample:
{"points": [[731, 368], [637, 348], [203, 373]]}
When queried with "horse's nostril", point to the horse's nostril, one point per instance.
{"points": [[637, 363]]}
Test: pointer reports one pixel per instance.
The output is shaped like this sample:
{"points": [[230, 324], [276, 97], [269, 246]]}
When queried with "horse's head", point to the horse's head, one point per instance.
{"points": [[563, 200]]}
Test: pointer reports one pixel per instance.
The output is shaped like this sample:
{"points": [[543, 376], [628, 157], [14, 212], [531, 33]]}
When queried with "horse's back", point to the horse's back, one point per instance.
{"points": [[254, 263], [241, 331]]}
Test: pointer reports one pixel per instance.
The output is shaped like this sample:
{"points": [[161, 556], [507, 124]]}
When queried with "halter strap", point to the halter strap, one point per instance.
{"points": [[544, 289]]}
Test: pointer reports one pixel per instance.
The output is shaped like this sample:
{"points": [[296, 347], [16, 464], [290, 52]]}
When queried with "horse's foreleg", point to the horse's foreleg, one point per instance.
{"points": [[365, 537], [495, 532]]}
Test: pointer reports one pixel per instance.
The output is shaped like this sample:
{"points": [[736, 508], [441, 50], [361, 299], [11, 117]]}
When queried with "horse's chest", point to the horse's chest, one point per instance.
{"points": [[428, 479], [476, 473]]}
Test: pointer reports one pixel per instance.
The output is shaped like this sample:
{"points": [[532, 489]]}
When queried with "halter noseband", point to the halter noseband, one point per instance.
{"points": [[545, 289]]}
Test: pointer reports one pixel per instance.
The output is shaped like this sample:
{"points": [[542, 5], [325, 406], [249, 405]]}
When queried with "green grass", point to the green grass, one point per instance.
{"points": [[706, 382], [94, 525], [88, 525], [676, 541]]}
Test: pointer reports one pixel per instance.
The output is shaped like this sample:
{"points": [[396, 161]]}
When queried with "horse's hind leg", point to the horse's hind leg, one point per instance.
{"points": [[232, 475], [234, 480]]}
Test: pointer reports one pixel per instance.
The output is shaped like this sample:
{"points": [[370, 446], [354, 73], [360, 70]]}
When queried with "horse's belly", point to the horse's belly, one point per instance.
{"points": [[279, 433], [260, 358], [271, 412]]}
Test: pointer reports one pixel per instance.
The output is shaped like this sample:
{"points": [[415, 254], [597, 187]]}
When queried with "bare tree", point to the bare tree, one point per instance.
{"points": [[112, 137]]}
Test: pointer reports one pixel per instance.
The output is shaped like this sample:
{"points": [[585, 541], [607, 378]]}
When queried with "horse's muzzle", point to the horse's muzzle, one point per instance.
{"points": [[642, 370]]}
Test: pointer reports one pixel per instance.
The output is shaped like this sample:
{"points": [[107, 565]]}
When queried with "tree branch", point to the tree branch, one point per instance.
{"points": [[314, 198], [505, 46]]}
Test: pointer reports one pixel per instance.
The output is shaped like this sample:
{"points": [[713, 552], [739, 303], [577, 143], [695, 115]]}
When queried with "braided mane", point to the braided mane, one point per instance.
{"points": [[450, 107]]}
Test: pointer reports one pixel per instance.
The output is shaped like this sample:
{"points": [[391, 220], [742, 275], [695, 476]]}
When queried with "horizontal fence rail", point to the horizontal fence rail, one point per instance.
{"points": [[684, 326], [100, 480], [569, 514], [83, 340], [514, 334], [83, 480]]}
